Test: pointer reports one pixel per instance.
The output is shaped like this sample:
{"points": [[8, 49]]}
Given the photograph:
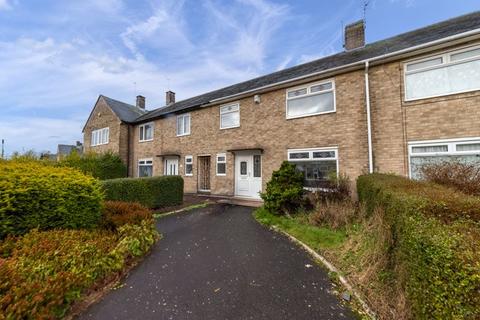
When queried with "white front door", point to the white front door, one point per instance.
{"points": [[248, 175], [171, 166]]}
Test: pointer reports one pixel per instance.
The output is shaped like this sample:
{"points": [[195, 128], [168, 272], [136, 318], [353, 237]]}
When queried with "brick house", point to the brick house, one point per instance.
{"points": [[387, 106]]}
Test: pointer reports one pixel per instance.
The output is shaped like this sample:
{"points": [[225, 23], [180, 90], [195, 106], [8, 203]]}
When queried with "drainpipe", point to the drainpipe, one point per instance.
{"points": [[369, 120]]}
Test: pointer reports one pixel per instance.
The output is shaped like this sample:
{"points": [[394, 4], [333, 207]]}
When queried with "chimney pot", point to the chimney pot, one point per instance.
{"points": [[169, 97], [141, 102], [354, 35]]}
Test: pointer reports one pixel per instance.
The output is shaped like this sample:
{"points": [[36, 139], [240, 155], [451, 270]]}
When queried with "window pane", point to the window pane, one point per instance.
{"points": [[220, 158], [416, 163], [465, 55], [430, 149], [141, 133], [316, 172], [221, 168], [179, 125], [299, 155], [321, 87], [323, 154], [425, 64], [468, 147], [233, 107], [296, 93], [243, 168], [145, 170], [231, 119], [311, 104], [188, 168], [186, 124], [257, 166], [188, 160], [450, 79], [148, 132]]}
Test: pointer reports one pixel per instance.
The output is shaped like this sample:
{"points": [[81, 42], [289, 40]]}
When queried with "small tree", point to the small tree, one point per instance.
{"points": [[284, 194]]}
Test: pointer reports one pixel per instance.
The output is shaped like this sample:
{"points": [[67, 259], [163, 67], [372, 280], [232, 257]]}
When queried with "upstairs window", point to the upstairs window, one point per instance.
{"points": [[146, 132], [145, 167], [189, 165], [449, 73], [315, 164], [230, 116], [311, 100], [100, 136], [221, 164], [183, 124]]}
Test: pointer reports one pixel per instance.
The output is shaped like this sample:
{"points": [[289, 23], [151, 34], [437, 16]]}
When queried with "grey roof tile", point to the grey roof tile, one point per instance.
{"points": [[403, 41], [126, 112]]}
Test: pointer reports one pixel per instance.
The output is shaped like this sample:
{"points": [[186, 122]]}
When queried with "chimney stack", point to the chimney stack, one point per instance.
{"points": [[141, 102], [354, 35], [169, 97]]}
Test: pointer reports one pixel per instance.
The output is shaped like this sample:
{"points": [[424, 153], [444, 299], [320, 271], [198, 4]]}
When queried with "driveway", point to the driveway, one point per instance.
{"points": [[219, 263]]}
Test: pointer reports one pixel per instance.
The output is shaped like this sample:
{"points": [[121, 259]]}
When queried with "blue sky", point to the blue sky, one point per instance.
{"points": [[56, 57]]}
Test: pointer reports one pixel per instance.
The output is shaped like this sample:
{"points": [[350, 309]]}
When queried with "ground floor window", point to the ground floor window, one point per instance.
{"points": [[422, 153], [189, 165], [145, 167], [221, 164], [315, 164]]}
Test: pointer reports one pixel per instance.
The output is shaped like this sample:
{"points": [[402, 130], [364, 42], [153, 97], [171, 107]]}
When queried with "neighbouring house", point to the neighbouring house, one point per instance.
{"points": [[64, 150], [387, 106]]}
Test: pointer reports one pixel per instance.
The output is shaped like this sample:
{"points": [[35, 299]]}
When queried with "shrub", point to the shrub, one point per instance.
{"points": [[101, 166], [119, 213], [284, 192], [33, 195], [462, 176], [438, 264], [47, 271], [338, 188], [152, 192], [336, 214]]}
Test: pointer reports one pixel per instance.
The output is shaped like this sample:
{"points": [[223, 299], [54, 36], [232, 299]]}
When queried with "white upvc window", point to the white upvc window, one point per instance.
{"points": [[311, 99], [230, 116], [316, 164], [449, 73], [221, 165], [183, 124], [146, 132], [189, 165], [421, 153], [100, 136], [145, 167]]}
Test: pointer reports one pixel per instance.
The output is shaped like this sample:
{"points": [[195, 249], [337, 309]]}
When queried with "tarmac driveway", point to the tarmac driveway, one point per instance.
{"points": [[219, 263]]}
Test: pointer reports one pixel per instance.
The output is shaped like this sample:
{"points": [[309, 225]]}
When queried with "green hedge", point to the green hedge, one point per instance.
{"points": [[436, 249], [152, 192], [101, 166], [33, 195]]}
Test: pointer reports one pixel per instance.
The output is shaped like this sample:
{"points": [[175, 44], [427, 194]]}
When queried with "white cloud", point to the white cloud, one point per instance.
{"points": [[5, 5]]}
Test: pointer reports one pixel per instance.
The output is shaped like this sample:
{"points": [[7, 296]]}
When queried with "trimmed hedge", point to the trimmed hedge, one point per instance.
{"points": [[437, 263], [101, 166], [152, 192], [33, 195]]}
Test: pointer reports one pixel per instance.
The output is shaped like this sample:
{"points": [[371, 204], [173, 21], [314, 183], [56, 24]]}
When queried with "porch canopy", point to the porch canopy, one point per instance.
{"points": [[260, 149], [169, 154]]}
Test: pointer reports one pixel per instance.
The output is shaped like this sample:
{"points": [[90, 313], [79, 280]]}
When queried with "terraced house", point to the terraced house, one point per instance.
{"points": [[387, 106]]}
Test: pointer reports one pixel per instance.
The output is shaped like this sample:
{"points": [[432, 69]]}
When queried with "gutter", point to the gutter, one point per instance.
{"points": [[369, 120], [351, 65]]}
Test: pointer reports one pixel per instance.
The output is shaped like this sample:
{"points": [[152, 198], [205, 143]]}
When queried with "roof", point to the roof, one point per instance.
{"points": [[407, 40], [124, 111]]}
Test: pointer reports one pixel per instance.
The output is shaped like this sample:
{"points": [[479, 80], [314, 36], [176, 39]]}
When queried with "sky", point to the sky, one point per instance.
{"points": [[56, 57]]}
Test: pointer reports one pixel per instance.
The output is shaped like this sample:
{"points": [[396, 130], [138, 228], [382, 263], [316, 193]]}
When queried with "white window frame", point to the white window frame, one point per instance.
{"points": [[237, 104], [183, 116], [97, 135], [311, 158], [217, 162], [451, 148], [142, 128], [191, 163], [445, 63], [145, 160], [308, 88]]}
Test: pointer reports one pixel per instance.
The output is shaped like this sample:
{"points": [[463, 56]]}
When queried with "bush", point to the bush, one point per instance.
{"points": [[152, 192], [462, 176], [119, 213], [335, 214], [338, 188], [33, 195], [101, 166], [438, 264], [47, 271], [284, 193]]}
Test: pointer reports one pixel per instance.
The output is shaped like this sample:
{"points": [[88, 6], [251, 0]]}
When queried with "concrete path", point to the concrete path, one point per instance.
{"points": [[219, 263]]}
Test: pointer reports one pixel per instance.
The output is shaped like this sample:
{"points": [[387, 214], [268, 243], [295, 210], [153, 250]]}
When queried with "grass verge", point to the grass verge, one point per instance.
{"points": [[193, 206]]}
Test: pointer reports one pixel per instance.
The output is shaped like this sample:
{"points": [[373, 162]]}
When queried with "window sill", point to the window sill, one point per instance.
{"points": [[221, 174], [226, 128], [183, 135], [149, 140], [311, 115]]}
